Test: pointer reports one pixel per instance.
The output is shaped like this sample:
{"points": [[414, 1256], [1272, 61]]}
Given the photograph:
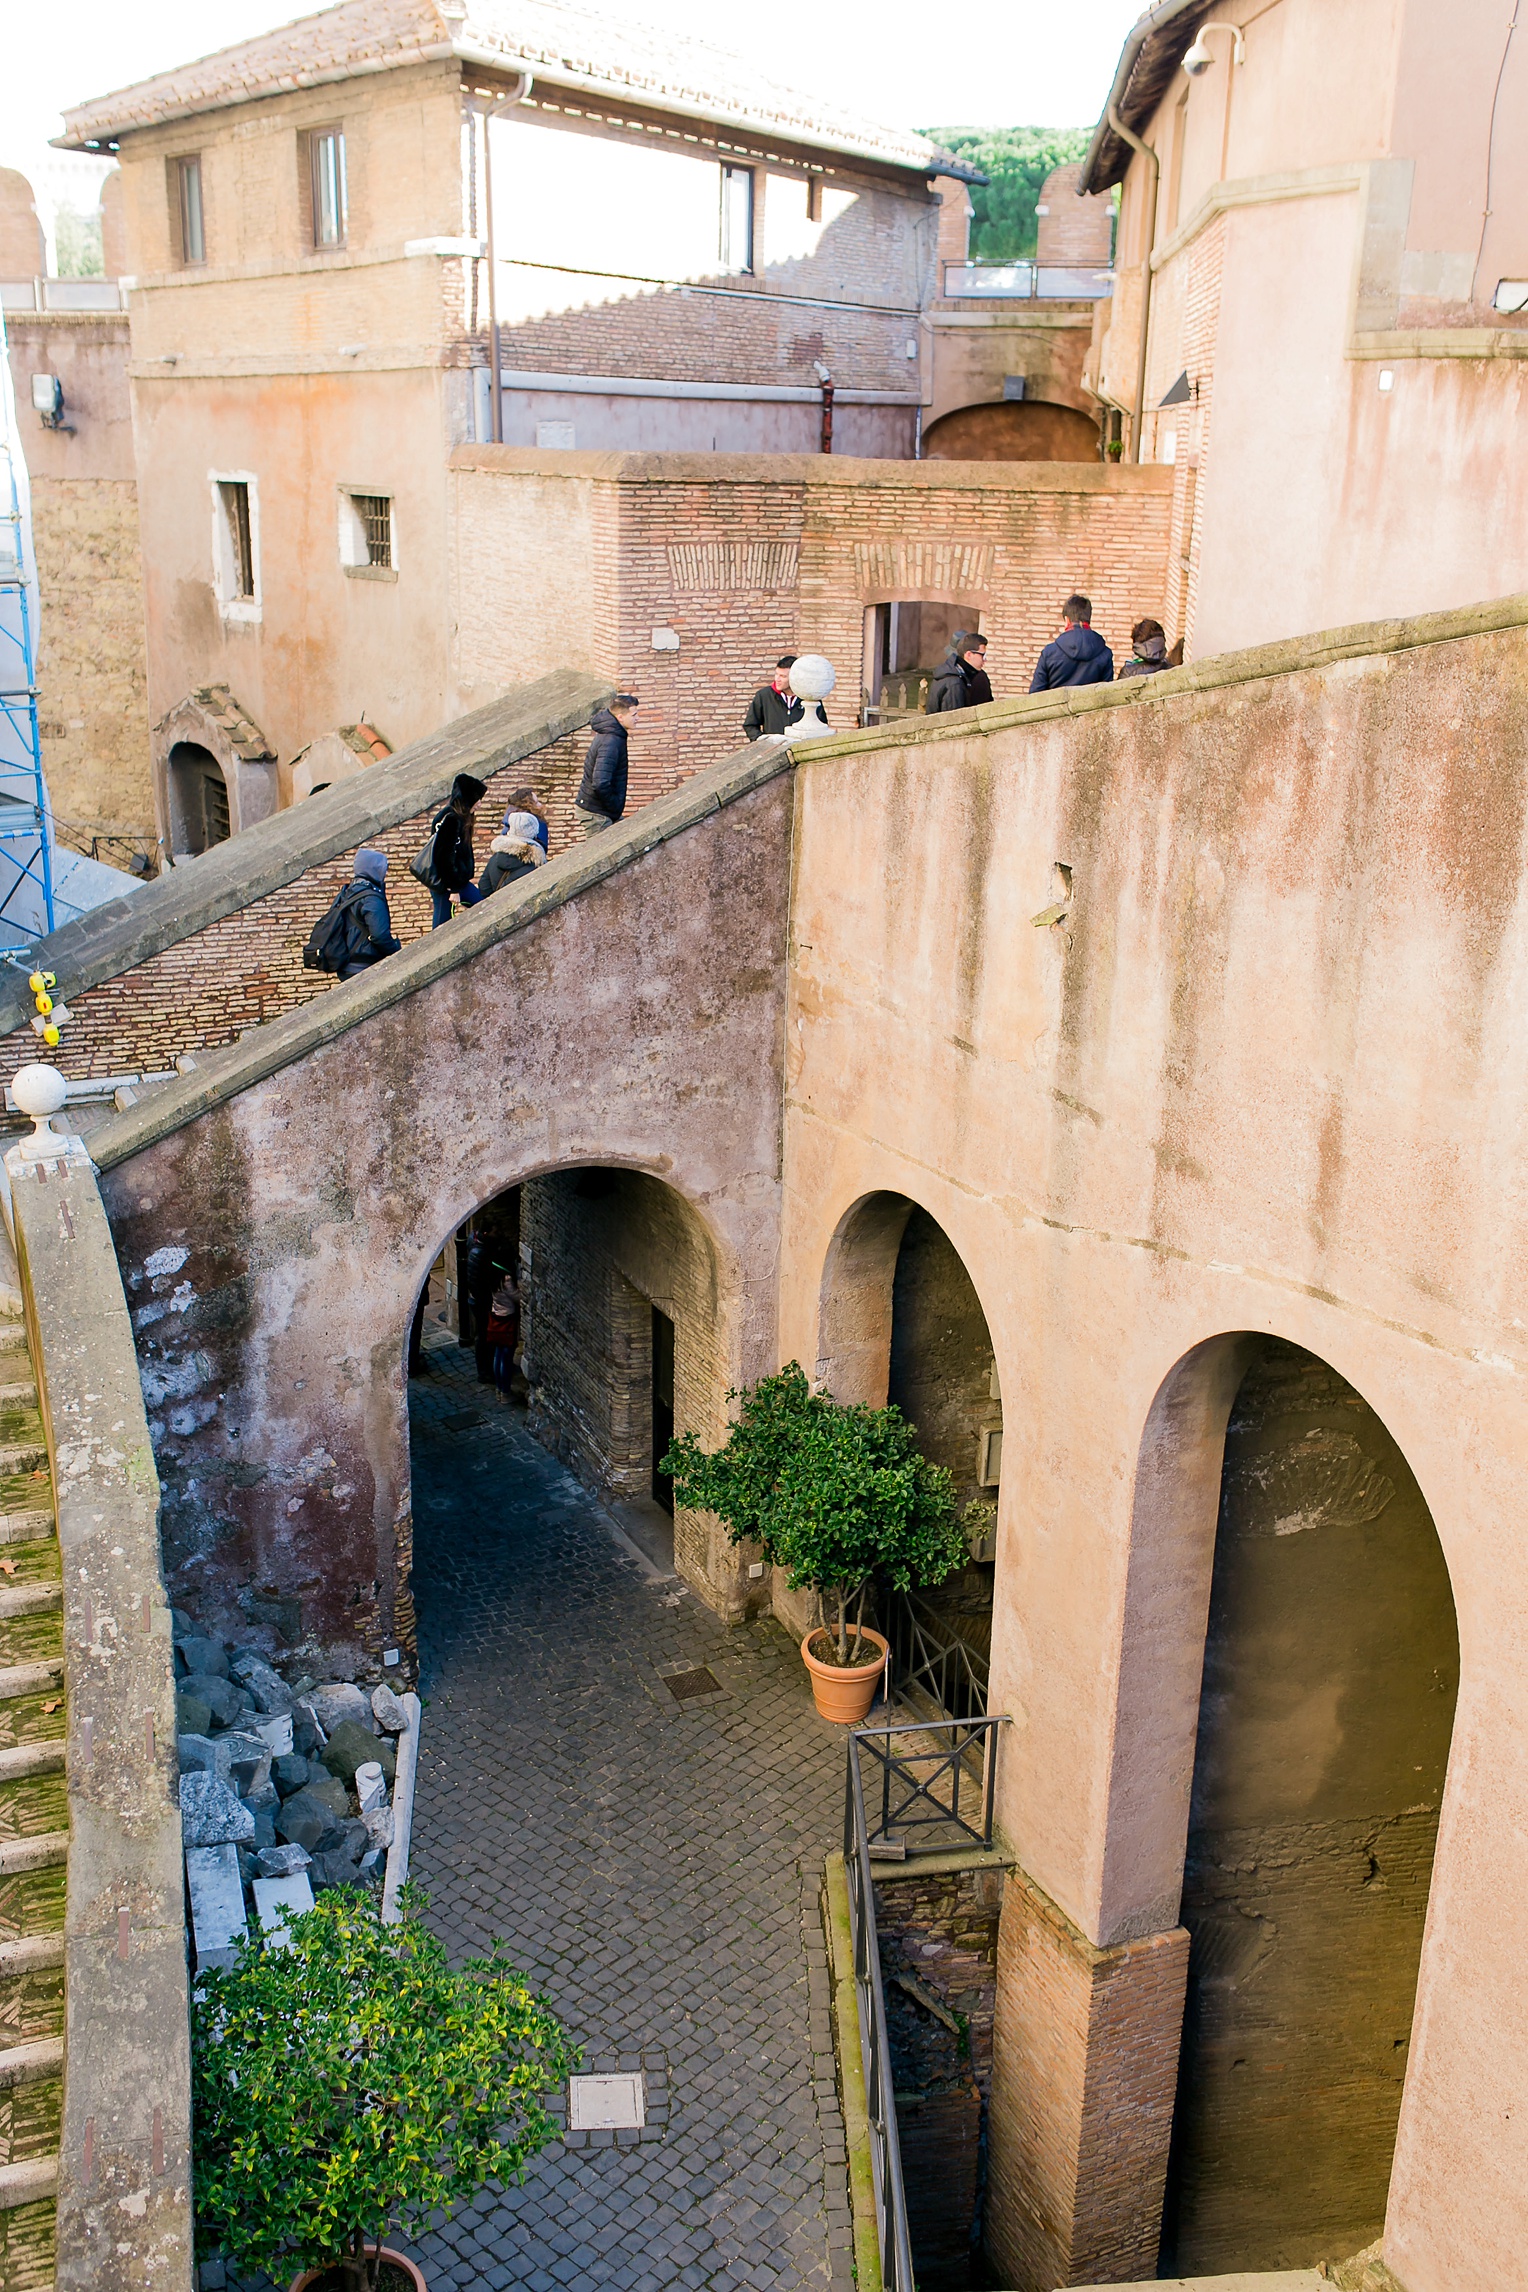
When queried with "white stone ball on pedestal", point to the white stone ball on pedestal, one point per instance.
{"points": [[812, 678], [39, 1091]]}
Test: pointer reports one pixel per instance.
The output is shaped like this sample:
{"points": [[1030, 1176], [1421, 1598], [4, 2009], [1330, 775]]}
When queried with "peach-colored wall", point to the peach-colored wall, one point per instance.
{"points": [[1268, 1077]]}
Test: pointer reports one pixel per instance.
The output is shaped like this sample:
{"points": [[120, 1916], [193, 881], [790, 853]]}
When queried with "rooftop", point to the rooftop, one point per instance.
{"points": [[571, 47]]}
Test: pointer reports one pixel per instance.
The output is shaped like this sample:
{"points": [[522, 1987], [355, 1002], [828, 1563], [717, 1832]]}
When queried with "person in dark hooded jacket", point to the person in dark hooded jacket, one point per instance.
{"points": [[367, 919], [1148, 650], [1077, 656], [452, 860], [963, 681], [601, 797]]}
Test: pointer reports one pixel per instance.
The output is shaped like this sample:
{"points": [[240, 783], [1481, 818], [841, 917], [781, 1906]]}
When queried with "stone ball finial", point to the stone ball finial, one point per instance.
{"points": [[39, 1091], [813, 676]]}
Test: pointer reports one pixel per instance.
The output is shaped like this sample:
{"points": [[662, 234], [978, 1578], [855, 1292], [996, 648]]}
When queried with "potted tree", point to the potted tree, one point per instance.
{"points": [[351, 2083], [836, 1495]]}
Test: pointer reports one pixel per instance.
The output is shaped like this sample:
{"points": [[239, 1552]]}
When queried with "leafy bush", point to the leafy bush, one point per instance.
{"points": [[77, 244], [833, 1493], [1018, 159], [353, 2082]]}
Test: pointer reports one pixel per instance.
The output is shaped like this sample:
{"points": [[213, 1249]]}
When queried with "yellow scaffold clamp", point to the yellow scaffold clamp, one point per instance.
{"points": [[50, 1016]]}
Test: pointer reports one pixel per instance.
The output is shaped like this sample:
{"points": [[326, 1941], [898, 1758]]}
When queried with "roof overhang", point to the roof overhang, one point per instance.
{"points": [[1154, 49]]}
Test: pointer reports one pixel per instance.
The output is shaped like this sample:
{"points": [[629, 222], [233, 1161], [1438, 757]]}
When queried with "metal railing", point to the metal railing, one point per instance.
{"points": [[875, 2045], [928, 1660], [1028, 282], [940, 1778], [61, 294]]}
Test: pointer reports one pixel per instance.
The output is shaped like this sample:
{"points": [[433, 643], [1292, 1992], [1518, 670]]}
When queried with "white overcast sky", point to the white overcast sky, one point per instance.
{"points": [[1025, 62]]}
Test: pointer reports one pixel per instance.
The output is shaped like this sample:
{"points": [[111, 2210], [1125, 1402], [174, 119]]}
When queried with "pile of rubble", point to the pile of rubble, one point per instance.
{"points": [[283, 1789]]}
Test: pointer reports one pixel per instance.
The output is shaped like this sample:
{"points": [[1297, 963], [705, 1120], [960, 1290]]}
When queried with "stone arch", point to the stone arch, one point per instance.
{"points": [[207, 735], [1288, 1680], [1028, 430]]}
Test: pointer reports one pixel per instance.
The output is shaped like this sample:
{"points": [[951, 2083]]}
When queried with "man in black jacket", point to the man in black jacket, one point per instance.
{"points": [[367, 920], [1077, 656], [963, 681], [601, 797], [453, 863], [774, 708]]}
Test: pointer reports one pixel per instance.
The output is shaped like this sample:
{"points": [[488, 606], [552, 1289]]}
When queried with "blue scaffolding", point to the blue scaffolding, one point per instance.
{"points": [[26, 825]]}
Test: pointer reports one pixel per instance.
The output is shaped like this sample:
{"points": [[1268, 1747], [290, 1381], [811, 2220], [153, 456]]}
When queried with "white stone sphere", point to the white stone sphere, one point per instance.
{"points": [[812, 676], [39, 1090]]}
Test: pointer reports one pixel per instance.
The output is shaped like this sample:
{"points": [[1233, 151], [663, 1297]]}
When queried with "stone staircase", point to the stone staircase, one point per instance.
{"points": [[34, 1821]]}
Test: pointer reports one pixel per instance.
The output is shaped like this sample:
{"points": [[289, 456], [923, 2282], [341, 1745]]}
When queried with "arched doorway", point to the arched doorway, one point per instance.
{"points": [[1025, 430], [199, 809], [1331, 1670]]}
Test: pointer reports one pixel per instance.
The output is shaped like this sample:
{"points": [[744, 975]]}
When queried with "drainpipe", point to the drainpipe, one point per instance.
{"points": [[521, 89], [825, 379], [1128, 135]]}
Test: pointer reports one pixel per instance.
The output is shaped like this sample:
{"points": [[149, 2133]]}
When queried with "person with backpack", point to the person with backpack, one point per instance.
{"points": [[357, 930], [446, 866]]}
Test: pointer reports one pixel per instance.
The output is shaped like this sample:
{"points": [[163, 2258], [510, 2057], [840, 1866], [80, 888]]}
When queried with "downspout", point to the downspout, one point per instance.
{"points": [[1128, 135], [522, 88]]}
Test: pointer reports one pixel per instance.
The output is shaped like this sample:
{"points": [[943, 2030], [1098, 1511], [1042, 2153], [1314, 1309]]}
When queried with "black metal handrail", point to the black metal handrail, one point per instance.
{"points": [[928, 1659], [913, 1778], [875, 2046]]}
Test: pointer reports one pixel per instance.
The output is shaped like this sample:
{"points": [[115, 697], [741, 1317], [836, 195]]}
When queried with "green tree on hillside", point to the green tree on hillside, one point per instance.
{"points": [[1017, 159]]}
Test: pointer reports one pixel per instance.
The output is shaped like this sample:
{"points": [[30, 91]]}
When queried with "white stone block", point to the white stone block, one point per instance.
{"points": [[277, 1731], [370, 1788], [217, 1903], [276, 1900]]}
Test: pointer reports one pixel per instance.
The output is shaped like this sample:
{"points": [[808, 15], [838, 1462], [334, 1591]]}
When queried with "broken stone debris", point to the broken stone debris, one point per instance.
{"points": [[269, 1792]]}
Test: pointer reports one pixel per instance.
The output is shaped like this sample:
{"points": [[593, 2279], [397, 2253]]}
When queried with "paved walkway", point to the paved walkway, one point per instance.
{"points": [[653, 1864]]}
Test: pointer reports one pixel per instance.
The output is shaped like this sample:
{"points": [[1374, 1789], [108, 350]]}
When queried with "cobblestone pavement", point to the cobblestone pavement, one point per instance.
{"points": [[653, 1864]]}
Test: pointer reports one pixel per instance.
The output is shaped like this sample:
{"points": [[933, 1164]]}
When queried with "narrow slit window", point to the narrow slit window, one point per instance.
{"points": [[326, 158], [233, 493], [188, 193], [737, 219]]}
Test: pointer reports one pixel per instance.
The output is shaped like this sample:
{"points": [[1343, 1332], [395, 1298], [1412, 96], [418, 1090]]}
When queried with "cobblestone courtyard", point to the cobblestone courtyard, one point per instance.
{"points": [[653, 1864]]}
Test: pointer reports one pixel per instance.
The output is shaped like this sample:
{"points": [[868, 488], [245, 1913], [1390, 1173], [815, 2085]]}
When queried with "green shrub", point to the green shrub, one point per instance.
{"points": [[835, 1494], [353, 2083], [1016, 161]]}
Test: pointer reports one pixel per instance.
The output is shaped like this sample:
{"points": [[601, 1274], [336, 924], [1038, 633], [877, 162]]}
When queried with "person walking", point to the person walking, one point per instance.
{"points": [[1076, 656], [527, 800], [356, 930], [1148, 657], [515, 853], [774, 708], [601, 797], [962, 681], [452, 866]]}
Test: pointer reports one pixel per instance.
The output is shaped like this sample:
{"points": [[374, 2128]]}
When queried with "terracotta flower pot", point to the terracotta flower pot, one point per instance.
{"points": [[312, 2276], [845, 1693]]}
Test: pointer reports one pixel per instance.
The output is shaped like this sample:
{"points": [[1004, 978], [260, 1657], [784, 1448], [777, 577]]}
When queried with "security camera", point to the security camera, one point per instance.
{"points": [[1200, 57], [1197, 60]]}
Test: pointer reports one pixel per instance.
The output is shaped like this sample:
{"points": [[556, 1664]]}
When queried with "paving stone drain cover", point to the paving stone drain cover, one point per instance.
{"points": [[605, 2104], [683, 1684]]}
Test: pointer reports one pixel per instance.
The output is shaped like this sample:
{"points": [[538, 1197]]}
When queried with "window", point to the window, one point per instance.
{"points": [[368, 542], [737, 219], [236, 545], [326, 166], [186, 194]]}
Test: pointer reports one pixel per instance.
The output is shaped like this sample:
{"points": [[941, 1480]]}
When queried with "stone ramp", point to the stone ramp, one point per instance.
{"points": [[34, 1819]]}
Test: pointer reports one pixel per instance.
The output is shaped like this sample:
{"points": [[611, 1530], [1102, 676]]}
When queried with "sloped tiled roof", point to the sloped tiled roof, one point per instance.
{"points": [[568, 46]]}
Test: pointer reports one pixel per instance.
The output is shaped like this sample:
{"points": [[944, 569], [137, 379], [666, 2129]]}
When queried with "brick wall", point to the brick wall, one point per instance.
{"points": [[747, 557], [941, 1927], [247, 968], [91, 671], [598, 1250]]}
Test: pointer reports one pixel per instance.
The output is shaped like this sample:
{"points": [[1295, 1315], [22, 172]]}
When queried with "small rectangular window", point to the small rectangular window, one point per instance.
{"points": [[188, 200], [367, 535], [375, 511], [326, 160], [737, 219], [239, 562]]}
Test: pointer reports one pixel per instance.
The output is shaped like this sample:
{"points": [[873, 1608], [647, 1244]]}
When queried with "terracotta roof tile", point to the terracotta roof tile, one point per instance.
{"points": [[569, 46]]}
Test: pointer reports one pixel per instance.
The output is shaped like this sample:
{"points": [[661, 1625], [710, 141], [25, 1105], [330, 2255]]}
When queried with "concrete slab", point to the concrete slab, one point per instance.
{"points": [[276, 1899], [217, 1903]]}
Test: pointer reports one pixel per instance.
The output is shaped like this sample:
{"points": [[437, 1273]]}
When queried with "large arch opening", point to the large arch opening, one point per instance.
{"points": [[1023, 430], [199, 808], [1331, 1669]]}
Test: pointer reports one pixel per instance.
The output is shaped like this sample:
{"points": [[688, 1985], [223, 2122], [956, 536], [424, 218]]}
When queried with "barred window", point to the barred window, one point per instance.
{"points": [[367, 536], [375, 511]]}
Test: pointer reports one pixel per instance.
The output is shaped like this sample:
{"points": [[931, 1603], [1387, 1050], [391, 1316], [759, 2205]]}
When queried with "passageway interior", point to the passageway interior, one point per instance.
{"points": [[1330, 1675]]}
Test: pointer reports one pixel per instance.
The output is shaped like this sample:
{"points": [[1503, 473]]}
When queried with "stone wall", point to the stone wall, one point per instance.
{"points": [[92, 706]]}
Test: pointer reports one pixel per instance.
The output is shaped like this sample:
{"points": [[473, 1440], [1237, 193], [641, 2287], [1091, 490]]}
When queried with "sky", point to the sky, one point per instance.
{"points": [[1027, 63]]}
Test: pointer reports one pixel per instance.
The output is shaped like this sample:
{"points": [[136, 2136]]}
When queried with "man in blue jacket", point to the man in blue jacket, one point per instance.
{"points": [[601, 797], [1077, 656]]}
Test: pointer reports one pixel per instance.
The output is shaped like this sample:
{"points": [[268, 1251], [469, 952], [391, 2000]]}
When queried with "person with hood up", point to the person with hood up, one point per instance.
{"points": [[527, 800], [514, 852], [1076, 656], [452, 865], [365, 915], [1148, 640], [601, 797], [963, 681]]}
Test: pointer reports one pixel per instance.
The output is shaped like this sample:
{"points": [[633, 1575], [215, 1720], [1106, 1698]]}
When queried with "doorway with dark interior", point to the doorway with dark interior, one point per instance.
{"points": [[906, 642], [199, 809]]}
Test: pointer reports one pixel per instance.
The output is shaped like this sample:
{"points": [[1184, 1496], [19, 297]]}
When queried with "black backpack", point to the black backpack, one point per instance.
{"points": [[329, 940]]}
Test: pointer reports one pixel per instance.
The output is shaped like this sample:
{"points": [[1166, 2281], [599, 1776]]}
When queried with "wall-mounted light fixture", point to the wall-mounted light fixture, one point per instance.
{"points": [[1200, 58]]}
